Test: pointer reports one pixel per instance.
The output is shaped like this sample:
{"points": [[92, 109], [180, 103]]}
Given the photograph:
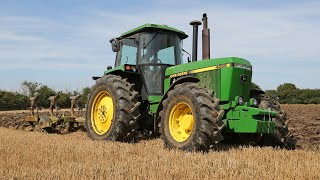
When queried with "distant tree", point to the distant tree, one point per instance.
{"points": [[86, 91], [288, 93], [314, 100], [13, 101], [271, 93], [286, 87], [285, 92], [308, 96], [84, 96], [30, 88], [44, 92], [64, 99]]}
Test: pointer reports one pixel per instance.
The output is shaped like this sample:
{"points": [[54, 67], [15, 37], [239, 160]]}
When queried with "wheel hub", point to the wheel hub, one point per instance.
{"points": [[181, 122], [186, 121], [102, 112]]}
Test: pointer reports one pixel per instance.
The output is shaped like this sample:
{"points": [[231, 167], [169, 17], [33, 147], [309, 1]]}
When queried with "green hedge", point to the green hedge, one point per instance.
{"points": [[288, 93], [13, 101], [19, 101]]}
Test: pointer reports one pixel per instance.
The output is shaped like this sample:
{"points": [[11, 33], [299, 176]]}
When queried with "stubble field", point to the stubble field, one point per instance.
{"points": [[35, 155]]}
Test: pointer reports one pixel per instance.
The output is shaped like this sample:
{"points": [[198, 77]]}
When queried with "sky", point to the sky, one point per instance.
{"points": [[63, 43]]}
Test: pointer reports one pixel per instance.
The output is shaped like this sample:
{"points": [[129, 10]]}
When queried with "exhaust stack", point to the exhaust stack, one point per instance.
{"points": [[195, 25], [205, 38]]}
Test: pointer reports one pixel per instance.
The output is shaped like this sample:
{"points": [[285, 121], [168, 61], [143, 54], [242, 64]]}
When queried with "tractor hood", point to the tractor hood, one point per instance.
{"points": [[207, 65], [226, 77]]}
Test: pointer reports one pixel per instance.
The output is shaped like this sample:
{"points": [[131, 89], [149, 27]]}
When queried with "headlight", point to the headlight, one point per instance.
{"points": [[253, 102], [239, 100], [242, 66]]}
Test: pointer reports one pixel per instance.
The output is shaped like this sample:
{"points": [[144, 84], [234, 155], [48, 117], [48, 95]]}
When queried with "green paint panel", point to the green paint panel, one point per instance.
{"points": [[250, 126], [204, 64], [231, 85], [154, 107], [154, 103], [225, 82], [245, 119], [166, 84], [210, 80], [110, 71], [154, 27], [154, 99]]}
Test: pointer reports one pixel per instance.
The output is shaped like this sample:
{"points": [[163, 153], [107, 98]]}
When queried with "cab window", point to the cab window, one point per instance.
{"points": [[160, 48], [128, 52]]}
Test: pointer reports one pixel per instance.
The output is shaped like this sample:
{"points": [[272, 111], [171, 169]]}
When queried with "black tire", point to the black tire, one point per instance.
{"points": [[249, 139], [282, 137], [126, 107], [206, 113]]}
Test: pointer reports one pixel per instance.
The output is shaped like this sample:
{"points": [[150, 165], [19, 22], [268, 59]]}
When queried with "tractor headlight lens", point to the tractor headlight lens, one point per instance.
{"points": [[239, 100], [253, 102], [242, 66]]}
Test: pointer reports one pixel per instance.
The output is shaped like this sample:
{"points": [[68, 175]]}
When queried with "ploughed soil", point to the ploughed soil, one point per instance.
{"points": [[304, 122]]}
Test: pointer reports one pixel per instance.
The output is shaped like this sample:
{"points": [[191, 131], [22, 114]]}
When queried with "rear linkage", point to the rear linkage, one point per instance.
{"points": [[55, 122]]}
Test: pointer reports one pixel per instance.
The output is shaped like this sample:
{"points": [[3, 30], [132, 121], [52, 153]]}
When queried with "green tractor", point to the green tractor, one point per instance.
{"points": [[192, 105]]}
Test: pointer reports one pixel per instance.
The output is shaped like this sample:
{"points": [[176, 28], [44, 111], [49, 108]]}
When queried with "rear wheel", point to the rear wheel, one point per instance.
{"points": [[191, 118], [112, 110], [282, 137]]}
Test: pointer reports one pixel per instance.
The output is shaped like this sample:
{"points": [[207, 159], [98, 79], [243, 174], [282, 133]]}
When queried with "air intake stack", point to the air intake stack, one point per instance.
{"points": [[205, 38], [195, 25]]}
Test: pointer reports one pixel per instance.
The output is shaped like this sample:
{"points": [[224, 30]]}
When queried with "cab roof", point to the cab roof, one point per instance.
{"points": [[154, 27]]}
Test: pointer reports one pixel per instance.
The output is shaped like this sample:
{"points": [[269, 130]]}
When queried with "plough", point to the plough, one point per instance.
{"points": [[56, 121]]}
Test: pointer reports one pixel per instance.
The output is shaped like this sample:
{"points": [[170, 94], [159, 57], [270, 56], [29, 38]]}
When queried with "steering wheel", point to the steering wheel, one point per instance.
{"points": [[156, 60]]}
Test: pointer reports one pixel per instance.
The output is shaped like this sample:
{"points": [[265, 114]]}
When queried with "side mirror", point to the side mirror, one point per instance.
{"points": [[115, 44], [188, 54], [109, 67]]}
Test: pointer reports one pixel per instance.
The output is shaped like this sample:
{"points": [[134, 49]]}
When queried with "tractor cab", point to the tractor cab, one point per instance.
{"points": [[151, 49]]}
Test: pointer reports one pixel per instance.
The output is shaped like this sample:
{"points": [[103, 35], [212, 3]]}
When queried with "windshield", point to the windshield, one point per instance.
{"points": [[128, 52], [160, 48]]}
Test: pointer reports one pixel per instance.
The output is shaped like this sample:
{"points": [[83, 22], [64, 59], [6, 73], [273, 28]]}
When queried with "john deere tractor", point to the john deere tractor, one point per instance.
{"points": [[193, 105]]}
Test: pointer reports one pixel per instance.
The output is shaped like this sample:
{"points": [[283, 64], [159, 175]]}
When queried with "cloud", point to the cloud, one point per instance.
{"points": [[36, 43], [286, 35], [9, 36], [281, 32]]}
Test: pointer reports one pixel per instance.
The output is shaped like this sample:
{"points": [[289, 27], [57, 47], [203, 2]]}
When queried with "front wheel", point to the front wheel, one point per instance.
{"points": [[112, 110], [281, 137], [191, 118]]}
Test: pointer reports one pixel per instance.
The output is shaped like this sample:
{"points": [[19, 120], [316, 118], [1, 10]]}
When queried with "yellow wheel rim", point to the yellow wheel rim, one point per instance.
{"points": [[102, 113], [181, 122]]}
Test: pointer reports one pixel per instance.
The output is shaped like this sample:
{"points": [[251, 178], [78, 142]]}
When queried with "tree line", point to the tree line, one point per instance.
{"points": [[19, 101], [287, 93]]}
